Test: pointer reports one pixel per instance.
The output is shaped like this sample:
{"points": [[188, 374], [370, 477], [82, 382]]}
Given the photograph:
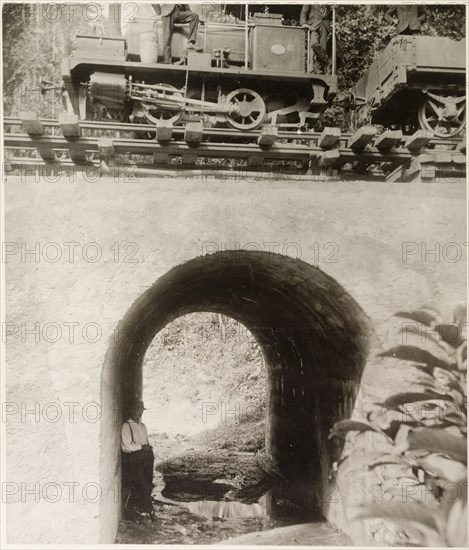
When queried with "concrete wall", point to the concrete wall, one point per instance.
{"points": [[360, 229]]}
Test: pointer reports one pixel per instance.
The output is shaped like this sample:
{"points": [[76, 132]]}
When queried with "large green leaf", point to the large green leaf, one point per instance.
{"points": [[430, 413], [369, 461], [342, 428], [427, 316], [427, 336], [416, 355], [456, 519], [396, 401], [444, 468], [437, 440]]}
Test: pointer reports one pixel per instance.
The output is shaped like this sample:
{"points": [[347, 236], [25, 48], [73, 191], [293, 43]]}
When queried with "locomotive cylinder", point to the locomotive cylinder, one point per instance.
{"points": [[108, 89]]}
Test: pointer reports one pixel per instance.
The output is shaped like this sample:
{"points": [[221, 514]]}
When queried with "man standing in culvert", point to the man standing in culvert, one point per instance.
{"points": [[137, 464]]}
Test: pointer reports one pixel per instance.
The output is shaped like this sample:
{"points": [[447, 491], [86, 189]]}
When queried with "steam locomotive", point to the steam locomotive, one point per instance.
{"points": [[246, 75]]}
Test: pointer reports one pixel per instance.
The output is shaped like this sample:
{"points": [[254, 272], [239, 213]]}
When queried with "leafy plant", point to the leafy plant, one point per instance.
{"points": [[424, 433]]}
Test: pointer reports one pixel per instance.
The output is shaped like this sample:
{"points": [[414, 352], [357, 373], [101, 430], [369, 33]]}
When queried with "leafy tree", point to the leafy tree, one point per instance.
{"points": [[447, 20], [36, 38], [424, 433], [363, 31]]}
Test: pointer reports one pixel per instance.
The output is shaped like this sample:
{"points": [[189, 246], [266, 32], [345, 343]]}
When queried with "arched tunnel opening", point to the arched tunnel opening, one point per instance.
{"points": [[203, 382], [204, 389], [313, 335]]}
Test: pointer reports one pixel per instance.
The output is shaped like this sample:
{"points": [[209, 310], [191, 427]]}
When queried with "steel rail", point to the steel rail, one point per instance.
{"points": [[192, 151], [137, 146], [208, 132], [277, 151]]}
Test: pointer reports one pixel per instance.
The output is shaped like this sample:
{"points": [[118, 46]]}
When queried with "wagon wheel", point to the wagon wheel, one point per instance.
{"points": [[173, 114], [247, 109], [445, 116]]}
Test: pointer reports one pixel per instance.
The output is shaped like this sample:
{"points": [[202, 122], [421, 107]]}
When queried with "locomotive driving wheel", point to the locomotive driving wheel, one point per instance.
{"points": [[247, 109], [444, 115], [164, 110]]}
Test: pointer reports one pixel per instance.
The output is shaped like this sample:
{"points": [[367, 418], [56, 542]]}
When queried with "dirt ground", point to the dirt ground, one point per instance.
{"points": [[217, 519]]}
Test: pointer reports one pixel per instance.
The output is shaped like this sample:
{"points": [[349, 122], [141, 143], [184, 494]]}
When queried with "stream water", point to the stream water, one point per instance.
{"points": [[189, 510], [198, 521], [222, 509]]}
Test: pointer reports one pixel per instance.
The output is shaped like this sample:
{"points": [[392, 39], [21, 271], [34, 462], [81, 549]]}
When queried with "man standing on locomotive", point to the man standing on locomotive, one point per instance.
{"points": [[317, 19], [409, 18], [176, 13]]}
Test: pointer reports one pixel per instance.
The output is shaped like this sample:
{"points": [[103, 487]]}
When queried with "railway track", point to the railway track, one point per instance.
{"points": [[68, 143]]}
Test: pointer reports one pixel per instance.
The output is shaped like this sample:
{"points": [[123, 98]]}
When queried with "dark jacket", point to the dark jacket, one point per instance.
{"points": [[314, 15], [408, 17]]}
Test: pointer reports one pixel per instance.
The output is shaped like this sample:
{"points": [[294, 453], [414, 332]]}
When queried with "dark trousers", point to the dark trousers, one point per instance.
{"points": [[408, 30], [168, 21], [319, 36], [137, 480]]}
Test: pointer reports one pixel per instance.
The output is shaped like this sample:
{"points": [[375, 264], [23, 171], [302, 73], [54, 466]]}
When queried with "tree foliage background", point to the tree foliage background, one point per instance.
{"points": [[37, 36], [363, 31], [35, 39]]}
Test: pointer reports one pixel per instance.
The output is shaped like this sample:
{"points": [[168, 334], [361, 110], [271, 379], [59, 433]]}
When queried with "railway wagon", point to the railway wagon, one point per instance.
{"points": [[416, 81], [244, 76]]}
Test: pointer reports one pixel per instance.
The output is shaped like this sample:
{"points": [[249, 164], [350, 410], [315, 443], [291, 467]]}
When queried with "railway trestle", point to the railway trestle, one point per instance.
{"points": [[70, 143]]}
